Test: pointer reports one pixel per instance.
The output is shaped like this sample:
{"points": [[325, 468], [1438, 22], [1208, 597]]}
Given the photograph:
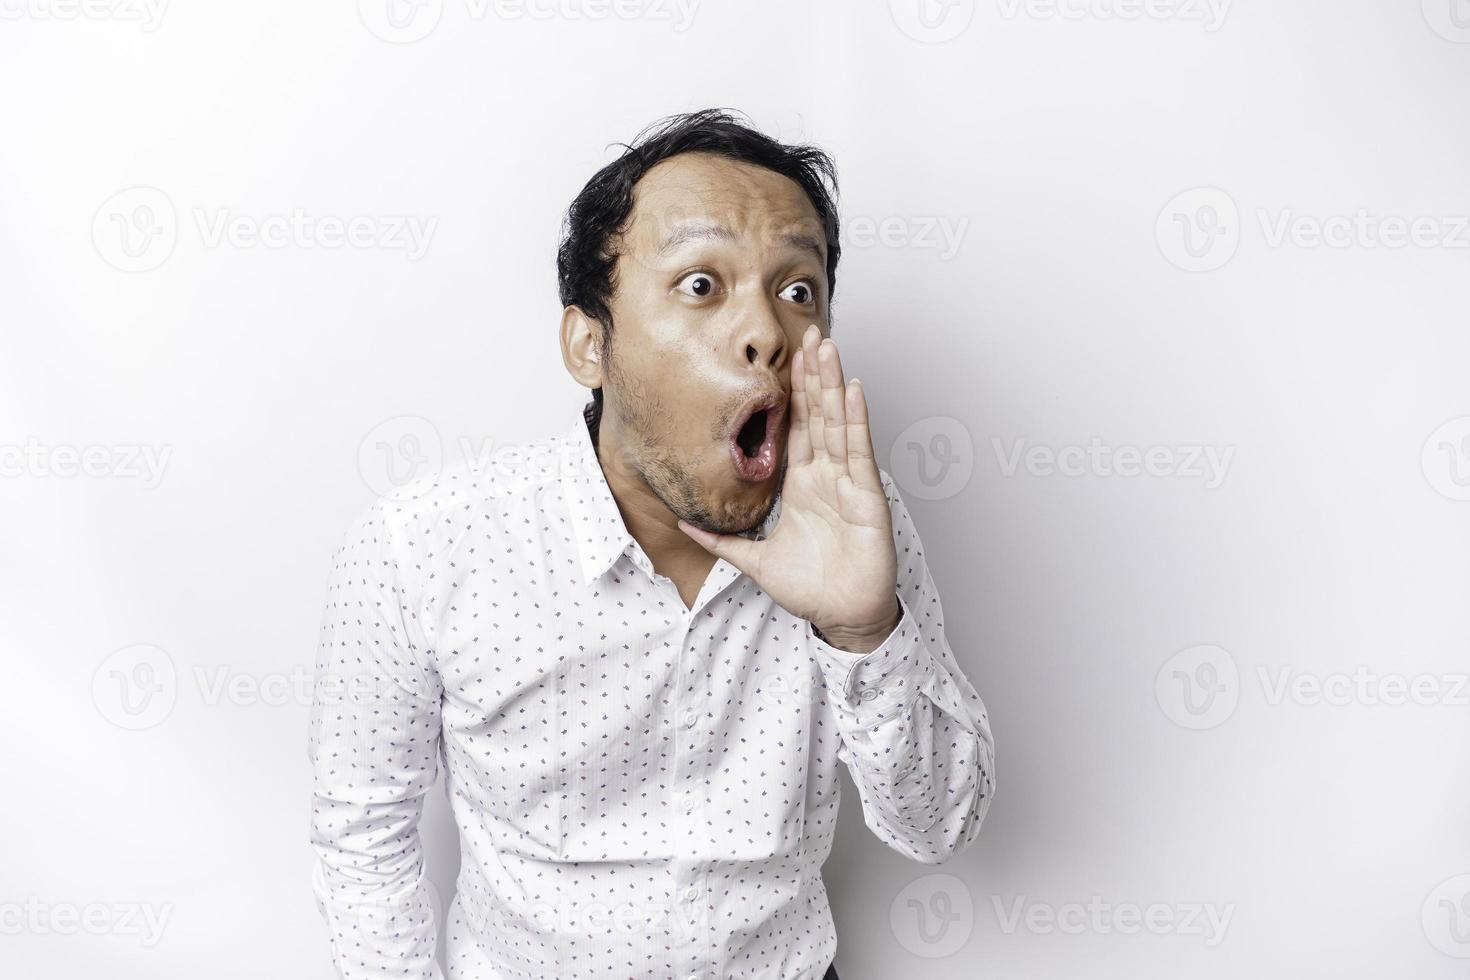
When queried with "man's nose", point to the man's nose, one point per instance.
{"points": [[761, 340]]}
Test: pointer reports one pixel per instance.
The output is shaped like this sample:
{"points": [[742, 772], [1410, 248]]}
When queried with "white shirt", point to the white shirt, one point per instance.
{"points": [[642, 790]]}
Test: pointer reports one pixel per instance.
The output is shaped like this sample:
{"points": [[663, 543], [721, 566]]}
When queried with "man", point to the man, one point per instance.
{"points": [[642, 648]]}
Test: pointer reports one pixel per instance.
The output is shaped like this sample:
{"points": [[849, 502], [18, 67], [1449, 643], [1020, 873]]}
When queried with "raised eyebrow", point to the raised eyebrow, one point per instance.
{"points": [[806, 243], [695, 233]]}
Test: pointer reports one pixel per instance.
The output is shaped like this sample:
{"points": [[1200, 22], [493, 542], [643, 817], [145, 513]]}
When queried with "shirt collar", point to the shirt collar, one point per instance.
{"points": [[602, 537]]}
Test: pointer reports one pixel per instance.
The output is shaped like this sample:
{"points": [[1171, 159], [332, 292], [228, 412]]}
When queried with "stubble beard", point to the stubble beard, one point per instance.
{"points": [[667, 475]]}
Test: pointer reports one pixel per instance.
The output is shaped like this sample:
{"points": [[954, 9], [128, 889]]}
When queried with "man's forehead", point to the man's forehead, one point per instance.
{"points": [[701, 196]]}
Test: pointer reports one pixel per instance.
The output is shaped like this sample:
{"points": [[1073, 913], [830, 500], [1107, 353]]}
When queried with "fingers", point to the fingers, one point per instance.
{"points": [[831, 414], [812, 386], [861, 465], [834, 409], [798, 440]]}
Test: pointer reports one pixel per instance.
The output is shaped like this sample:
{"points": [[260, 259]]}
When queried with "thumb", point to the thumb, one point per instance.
{"points": [[738, 551]]}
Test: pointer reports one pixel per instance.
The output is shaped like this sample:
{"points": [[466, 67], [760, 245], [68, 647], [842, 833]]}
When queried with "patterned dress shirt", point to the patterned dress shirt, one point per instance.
{"points": [[642, 789]]}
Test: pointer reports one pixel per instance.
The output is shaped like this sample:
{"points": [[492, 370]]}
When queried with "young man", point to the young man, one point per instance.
{"points": [[643, 648]]}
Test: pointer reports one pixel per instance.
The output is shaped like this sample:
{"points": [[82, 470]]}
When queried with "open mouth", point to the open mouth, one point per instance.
{"points": [[753, 445]]}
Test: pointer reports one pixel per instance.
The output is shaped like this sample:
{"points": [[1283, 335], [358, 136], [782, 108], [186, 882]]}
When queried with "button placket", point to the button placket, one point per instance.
{"points": [[686, 721], [688, 898], [690, 906]]}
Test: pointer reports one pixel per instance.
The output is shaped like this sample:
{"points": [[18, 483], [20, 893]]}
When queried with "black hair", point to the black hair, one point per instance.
{"points": [[586, 261]]}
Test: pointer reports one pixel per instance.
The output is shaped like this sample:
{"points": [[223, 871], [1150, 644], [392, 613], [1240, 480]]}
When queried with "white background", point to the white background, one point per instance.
{"points": [[1130, 633]]}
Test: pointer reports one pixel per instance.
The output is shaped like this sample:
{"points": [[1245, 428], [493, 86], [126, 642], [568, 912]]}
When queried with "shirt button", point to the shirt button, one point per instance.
{"points": [[691, 893], [690, 719], [689, 801]]}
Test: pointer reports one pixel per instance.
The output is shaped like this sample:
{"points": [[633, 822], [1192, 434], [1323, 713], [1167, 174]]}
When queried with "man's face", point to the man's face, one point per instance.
{"points": [[721, 268]]}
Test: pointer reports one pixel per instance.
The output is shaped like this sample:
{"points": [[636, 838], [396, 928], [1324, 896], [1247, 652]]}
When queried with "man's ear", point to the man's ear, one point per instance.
{"points": [[581, 347]]}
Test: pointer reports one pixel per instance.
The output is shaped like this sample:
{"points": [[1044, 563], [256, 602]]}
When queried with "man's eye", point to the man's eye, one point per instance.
{"points": [[696, 284], [799, 292]]}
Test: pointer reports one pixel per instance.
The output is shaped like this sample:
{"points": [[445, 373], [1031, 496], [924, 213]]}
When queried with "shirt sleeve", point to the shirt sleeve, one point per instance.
{"points": [[374, 744], [914, 732]]}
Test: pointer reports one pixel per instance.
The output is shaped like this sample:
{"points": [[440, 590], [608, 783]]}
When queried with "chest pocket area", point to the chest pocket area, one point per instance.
{"points": [[757, 750], [617, 748]]}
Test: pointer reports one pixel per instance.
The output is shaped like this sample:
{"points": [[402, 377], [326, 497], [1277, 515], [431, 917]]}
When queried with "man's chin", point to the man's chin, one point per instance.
{"points": [[731, 526], [742, 513]]}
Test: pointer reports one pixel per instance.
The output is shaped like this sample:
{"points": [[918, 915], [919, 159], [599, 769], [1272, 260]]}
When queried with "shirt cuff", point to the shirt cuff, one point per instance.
{"points": [[889, 673]]}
